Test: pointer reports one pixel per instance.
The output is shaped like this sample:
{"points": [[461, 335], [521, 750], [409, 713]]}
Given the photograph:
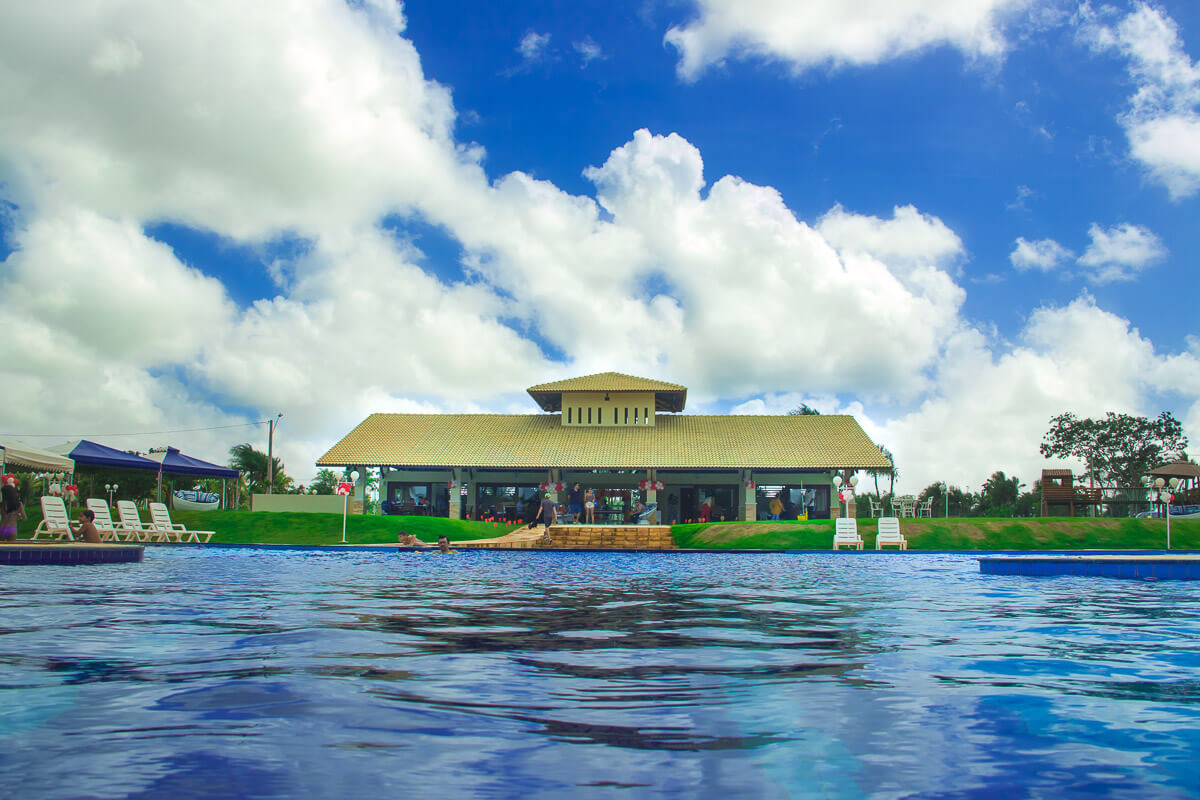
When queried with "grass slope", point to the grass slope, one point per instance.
{"points": [[266, 527], [974, 533]]}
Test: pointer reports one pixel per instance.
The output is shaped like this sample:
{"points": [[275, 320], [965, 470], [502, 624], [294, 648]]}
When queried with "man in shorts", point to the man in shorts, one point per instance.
{"points": [[574, 504], [548, 514]]}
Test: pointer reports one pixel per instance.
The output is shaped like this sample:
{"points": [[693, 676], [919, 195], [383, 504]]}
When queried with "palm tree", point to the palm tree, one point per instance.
{"points": [[891, 471], [253, 463]]}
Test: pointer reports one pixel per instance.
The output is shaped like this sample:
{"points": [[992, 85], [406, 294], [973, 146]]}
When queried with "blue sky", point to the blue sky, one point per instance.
{"points": [[951, 219]]}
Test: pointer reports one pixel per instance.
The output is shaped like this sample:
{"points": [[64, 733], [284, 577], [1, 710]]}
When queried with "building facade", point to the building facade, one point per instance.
{"points": [[621, 436]]}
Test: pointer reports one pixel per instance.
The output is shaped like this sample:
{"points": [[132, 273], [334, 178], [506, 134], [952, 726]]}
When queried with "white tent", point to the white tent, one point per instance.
{"points": [[18, 455]]}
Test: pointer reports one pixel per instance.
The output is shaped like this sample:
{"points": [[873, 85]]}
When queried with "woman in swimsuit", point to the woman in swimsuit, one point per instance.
{"points": [[11, 510]]}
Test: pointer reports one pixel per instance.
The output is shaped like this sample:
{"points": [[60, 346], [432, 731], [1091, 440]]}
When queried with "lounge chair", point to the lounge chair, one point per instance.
{"points": [[160, 518], [131, 520], [109, 532], [55, 522], [889, 534], [846, 533]]}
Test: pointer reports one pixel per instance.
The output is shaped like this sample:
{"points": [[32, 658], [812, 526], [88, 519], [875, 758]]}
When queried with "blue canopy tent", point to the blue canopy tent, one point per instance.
{"points": [[91, 454], [168, 459]]}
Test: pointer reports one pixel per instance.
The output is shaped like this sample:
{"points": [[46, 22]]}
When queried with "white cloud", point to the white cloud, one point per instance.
{"points": [[534, 46], [244, 118], [834, 32], [1120, 253], [1042, 254], [909, 239], [1163, 119], [993, 404], [589, 50]]}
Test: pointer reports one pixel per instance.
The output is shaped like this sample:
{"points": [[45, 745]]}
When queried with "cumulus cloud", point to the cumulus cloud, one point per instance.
{"points": [[1163, 118], [835, 33], [1043, 254], [247, 119], [1120, 253], [993, 404]]}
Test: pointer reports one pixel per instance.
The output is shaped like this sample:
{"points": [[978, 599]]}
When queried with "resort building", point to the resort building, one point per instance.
{"points": [[623, 437]]}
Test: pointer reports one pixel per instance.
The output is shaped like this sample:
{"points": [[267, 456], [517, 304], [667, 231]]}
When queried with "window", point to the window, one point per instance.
{"points": [[599, 415], [589, 415], [569, 410], [626, 415], [614, 415], [646, 420]]}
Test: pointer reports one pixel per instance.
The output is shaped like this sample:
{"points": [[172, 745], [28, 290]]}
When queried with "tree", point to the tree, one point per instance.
{"points": [[253, 463], [999, 495], [875, 473], [804, 410], [1120, 448], [325, 482]]}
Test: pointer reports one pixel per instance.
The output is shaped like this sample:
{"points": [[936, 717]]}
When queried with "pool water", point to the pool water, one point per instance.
{"points": [[223, 672]]}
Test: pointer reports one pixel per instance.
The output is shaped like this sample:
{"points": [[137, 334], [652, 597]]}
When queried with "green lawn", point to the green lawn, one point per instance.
{"points": [[973, 533], [968, 533], [266, 527]]}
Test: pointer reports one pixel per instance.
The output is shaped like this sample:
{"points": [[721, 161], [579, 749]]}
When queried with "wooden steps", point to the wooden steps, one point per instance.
{"points": [[582, 537]]}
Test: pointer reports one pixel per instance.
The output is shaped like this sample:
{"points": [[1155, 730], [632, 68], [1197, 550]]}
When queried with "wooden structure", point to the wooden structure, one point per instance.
{"points": [[1059, 489]]}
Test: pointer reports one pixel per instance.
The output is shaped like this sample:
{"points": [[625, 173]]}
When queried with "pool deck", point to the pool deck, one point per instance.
{"points": [[1145, 567], [27, 553]]}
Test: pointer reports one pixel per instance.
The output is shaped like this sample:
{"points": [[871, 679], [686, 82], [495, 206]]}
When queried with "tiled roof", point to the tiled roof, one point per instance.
{"points": [[682, 441], [607, 382]]}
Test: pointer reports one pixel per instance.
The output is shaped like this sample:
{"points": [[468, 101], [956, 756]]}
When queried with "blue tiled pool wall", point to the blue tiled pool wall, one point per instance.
{"points": [[1147, 570], [16, 555]]}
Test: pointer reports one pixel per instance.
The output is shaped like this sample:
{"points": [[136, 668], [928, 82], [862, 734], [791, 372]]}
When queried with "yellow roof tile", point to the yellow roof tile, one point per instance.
{"points": [[682, 441], [607, 382], [667, 396]]}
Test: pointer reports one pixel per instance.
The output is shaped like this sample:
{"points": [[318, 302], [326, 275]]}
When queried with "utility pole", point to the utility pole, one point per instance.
{"points": [[271, 423]]}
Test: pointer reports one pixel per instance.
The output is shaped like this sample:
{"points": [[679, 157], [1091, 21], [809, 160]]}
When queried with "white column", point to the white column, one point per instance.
{"points": [[747, 497], [455, 497], [652, 497]]}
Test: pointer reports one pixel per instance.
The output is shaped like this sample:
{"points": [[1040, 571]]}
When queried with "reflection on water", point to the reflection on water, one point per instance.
{"points": [[232, 673]]}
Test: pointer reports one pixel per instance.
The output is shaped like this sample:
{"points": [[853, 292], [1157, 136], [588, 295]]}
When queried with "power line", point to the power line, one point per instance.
{"points": [[141, 433]]}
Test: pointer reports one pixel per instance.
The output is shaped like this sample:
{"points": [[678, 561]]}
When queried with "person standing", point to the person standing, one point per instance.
{"points": [[776, 506], [589, 505], [574, 505], [11, 510]]}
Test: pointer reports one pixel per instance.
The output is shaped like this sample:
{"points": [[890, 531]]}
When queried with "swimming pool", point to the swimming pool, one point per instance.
{"points": [[225, 672]]}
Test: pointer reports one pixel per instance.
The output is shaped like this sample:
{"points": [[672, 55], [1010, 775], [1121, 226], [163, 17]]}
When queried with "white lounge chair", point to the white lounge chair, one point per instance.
{"points": [[846, 534], [889, 534], [160, 518], [55, 522], [109, 532], [131, 520]]}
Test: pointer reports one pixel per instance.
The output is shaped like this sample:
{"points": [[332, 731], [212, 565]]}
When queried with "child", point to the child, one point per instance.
{"points": [[87, 526]]}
